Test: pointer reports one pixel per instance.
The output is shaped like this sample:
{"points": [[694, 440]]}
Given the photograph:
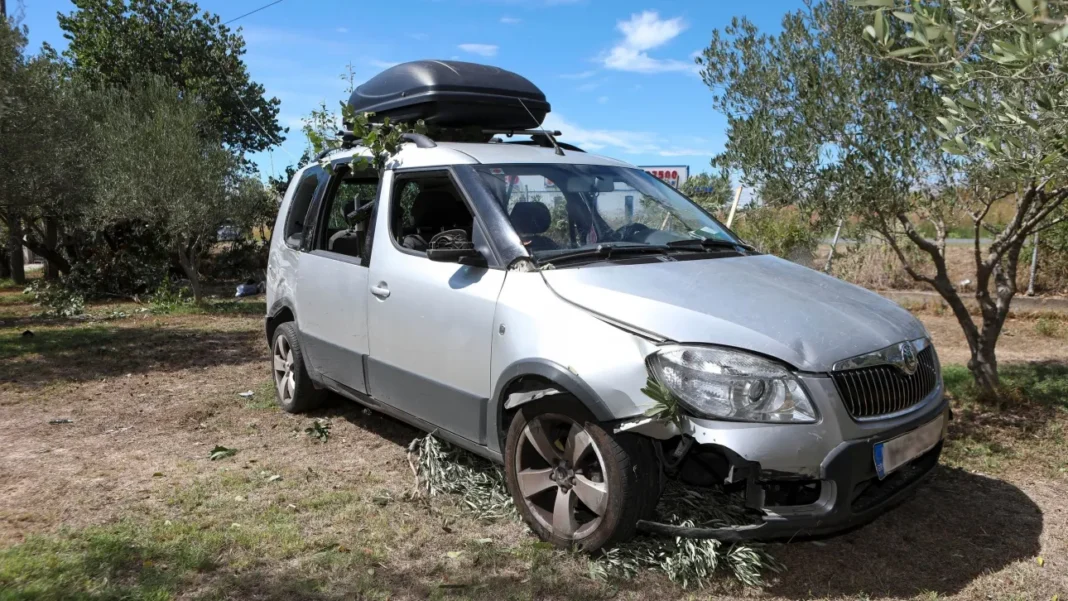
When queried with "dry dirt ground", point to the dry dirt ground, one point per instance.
{"points": [[123, 502]]}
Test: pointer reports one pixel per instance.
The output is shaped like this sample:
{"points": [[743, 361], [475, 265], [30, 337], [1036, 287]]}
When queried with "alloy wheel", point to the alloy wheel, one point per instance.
{"points": [[284, 378], [561, 476]]}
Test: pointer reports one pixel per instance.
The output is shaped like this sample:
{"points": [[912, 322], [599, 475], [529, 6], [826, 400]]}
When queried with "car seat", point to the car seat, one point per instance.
{"points": [[347, 241], [435, 210], [531, 219]]}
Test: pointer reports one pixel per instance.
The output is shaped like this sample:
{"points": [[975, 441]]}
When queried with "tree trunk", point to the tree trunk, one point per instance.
{"points": [[5, 265], [50, 254], [51, 238], [14, 250], [188, 259], [984, 367]]}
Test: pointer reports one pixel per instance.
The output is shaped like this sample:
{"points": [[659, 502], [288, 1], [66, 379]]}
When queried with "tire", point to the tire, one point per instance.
{"points": [[587, 504], [298, 394]]}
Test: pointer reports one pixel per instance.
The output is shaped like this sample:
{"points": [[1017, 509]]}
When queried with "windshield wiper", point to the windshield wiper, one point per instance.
{"points": [[707, 243], [607, 251]]}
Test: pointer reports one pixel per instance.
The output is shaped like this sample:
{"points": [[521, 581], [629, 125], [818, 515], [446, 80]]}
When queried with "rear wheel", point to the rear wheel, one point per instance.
{"points": [[293, 387], [574, 483]]}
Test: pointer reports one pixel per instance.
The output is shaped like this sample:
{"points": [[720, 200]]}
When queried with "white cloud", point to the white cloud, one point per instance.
{"points": [[602, 99], [511, 20], [382, 64], [581, 75], [625, 141], [630, 142], [342, 29], [589, 86], [419, 36], [643, 32], [479, 49]]}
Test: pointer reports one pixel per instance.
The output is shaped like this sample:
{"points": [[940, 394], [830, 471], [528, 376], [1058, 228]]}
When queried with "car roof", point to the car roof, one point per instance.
{"points": [[459, 153]]}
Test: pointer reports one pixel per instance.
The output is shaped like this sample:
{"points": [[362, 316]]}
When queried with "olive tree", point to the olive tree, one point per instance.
{"points": [[818, 120], [1001, 67], [46, 143], [160, 169], [712, 192]]}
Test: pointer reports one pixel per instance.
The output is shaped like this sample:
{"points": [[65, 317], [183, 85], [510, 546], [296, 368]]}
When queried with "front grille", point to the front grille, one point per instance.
{"points": [[884, 389]]}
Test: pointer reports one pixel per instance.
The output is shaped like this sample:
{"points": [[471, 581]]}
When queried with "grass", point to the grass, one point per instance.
{"points": [[1024, 426], [124, 502], [1047, 327]]}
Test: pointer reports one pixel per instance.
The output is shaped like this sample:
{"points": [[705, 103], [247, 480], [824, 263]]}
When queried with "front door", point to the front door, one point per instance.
{"points": [[430, 323], [332, 286]]}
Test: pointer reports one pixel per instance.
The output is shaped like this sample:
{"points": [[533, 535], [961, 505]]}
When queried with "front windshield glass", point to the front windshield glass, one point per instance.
{"points": [[557, 209]]}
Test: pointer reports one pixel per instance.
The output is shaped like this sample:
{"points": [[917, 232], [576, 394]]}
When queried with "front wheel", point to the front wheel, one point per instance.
{"points": [[575, 484]]}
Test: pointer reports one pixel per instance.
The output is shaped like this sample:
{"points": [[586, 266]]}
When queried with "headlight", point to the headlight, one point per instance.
{"points": [[725, 384]]}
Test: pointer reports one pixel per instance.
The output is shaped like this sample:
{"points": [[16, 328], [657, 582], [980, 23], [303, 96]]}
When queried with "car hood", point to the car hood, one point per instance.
{"points": [[760, 303]]}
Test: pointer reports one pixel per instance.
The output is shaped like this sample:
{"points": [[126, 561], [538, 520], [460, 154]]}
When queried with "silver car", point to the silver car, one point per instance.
{"points": [[520, 301]]}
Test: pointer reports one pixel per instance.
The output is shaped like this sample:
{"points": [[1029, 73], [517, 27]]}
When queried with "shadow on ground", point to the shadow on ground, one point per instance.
{"points": [[106, 350], [379, 424], [957, 527]]}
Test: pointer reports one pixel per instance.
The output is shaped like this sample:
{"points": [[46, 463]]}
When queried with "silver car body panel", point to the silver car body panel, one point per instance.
{"points": [[759, 303], [429, 326]]}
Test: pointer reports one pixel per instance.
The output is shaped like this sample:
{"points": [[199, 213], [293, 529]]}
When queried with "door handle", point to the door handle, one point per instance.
{"points": [[381, 290]]}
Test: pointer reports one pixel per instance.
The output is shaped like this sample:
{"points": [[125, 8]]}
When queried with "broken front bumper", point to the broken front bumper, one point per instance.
{"points": [[840, 480]]}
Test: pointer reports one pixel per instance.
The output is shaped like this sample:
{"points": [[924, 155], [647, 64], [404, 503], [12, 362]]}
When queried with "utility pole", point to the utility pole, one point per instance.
{"points": [[734, 206], [1034, 263], [834, 244], [3, 9]]}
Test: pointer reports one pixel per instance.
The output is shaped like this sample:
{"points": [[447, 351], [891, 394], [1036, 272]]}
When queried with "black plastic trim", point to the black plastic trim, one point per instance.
{"points": [[555, 373]]}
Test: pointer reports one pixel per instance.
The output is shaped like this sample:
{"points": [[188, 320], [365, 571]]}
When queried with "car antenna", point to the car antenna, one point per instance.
{"points": [[537, 124]]}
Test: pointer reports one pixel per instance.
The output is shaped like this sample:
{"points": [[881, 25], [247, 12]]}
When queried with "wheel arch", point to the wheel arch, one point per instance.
{"points": [[538, 378], [278, 314]]}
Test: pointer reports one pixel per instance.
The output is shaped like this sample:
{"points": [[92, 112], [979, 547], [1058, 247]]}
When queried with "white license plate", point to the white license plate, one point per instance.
{"points": [[896, 452]]}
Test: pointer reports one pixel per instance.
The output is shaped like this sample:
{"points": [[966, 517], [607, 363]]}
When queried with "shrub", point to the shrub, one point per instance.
{"points": [[1046, 327], [57, 298], [239, 260], [781, 231], [122, 260], [874, 265]]}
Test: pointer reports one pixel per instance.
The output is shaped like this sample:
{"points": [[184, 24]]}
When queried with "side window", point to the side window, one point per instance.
{"points": [[424, 205], [298, 208], [345, 214]]}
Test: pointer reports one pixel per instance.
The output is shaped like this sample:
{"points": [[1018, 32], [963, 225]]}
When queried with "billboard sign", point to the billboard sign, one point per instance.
{"points": [[673, 175]]}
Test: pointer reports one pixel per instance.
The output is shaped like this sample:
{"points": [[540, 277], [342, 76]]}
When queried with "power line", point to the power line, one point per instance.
{"points": [[250, 13], [238, 94]]}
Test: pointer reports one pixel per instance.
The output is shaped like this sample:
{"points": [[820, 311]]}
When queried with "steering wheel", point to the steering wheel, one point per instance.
{"points": [[633, 232]]}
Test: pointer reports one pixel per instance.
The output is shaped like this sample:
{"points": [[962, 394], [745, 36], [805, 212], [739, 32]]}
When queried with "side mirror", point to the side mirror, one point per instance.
{"points": [[464, 256]]}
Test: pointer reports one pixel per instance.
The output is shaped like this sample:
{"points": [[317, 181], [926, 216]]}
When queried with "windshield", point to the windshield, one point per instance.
{"points": [[557, 209]]}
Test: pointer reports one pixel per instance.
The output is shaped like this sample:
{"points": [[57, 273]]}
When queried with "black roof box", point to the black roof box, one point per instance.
{"points": [[452, 94]]}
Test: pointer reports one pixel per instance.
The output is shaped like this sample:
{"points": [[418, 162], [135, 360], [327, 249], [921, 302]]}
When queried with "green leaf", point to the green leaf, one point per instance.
{"points": [[952, 148], [904, 16], [1027, 6], [1053, 40], [221, 452], [906, 51], [873, 3], [880, 25]]}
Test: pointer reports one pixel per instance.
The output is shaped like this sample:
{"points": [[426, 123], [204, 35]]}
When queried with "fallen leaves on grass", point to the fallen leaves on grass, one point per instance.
{"points": [[221, 452], [319, 430], [441, 468]]}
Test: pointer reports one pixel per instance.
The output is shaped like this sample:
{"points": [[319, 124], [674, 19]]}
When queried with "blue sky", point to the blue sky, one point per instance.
{"points": [[619, 74]]}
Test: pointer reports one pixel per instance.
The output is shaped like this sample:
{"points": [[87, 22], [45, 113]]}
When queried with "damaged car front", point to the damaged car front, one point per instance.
{"points": [[818, 403]]}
